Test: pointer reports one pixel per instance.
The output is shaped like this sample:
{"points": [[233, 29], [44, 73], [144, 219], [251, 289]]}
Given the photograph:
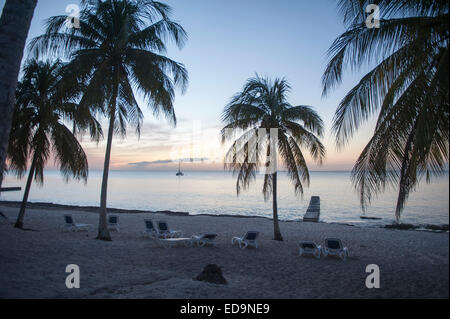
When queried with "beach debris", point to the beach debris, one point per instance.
{"points": [[213, 274], [439, 228], [370, 218]]}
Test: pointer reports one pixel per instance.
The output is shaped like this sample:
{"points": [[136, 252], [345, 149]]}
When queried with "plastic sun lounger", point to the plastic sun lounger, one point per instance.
{"points": [[250, 239], [72, 226], [150, 230], [113, 222], [171, 242], [204, 239], [309, 248], [165, 232], [334, 247]]}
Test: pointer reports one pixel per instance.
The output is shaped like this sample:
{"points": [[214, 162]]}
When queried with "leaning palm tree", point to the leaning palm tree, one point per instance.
{"points": [[271, 128], [407, 88], [39, 132], [14, 25], [118, 49]]}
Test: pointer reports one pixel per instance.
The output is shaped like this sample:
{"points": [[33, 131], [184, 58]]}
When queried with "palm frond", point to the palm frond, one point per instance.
{"points": [[408, 89], [69, 154], [261, 107]]}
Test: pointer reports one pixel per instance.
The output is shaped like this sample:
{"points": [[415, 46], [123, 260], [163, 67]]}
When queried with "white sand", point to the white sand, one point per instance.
{"points": [[32, 263]]}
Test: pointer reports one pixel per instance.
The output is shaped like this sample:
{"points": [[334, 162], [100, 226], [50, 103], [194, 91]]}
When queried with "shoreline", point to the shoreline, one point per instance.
{"points": [[440, 228]]}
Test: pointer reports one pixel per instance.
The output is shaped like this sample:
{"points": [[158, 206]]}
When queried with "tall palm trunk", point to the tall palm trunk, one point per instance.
{"points": [[14, 25], [276, 225], [103, 232], [20, 217]]}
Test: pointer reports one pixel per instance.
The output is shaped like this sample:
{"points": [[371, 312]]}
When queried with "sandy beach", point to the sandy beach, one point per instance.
{"points": [[413, 264]]}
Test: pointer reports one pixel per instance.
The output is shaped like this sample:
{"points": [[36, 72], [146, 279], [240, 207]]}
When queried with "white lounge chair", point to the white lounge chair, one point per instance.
{"points": [[113, 222], [309, 248], [250, 239], [334, 247], [70, 225], [204, 239], [150, 230], [172, 242], [165, 232]]}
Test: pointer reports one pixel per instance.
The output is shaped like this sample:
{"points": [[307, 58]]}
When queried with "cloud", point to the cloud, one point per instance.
{"points": [[145, 164]]}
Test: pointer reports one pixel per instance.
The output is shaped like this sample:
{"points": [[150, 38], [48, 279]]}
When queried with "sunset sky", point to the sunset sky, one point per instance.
{"points": [[228, 42]]}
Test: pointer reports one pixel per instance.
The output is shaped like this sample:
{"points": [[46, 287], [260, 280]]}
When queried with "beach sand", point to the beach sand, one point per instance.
{"points": [[413, 264]]}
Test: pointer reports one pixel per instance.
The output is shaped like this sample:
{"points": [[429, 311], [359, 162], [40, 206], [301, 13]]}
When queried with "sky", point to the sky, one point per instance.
{"points": [[229, 41]]}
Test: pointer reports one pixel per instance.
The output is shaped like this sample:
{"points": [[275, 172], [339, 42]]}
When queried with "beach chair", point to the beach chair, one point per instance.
{"points": [[70, 225], [172, 242], [113, 222], [204, 239], [150, 230], [334, 247], [250, 239], [309, 248], [165, 232]]}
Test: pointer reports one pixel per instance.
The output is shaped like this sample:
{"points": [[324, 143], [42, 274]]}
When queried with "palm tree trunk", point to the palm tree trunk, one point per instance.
{"points": [[14, 25], [103, 232], [20, 217], [276, 225]]}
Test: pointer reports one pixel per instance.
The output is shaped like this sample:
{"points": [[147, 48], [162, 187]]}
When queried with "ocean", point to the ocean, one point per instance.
{"points": [[206, 192]]}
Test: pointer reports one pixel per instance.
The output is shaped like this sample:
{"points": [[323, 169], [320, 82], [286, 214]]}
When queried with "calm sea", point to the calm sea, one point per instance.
{"points": [[215, 193]]}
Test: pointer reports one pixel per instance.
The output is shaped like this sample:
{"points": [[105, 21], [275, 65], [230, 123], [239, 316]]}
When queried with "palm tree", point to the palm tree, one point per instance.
{"points": [[14, 25], [38, 131], [408, 88], [119, 49], [269, 122]]}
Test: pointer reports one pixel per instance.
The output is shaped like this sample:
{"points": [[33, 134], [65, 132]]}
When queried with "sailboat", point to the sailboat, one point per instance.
{"points": [[179, 173]]}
